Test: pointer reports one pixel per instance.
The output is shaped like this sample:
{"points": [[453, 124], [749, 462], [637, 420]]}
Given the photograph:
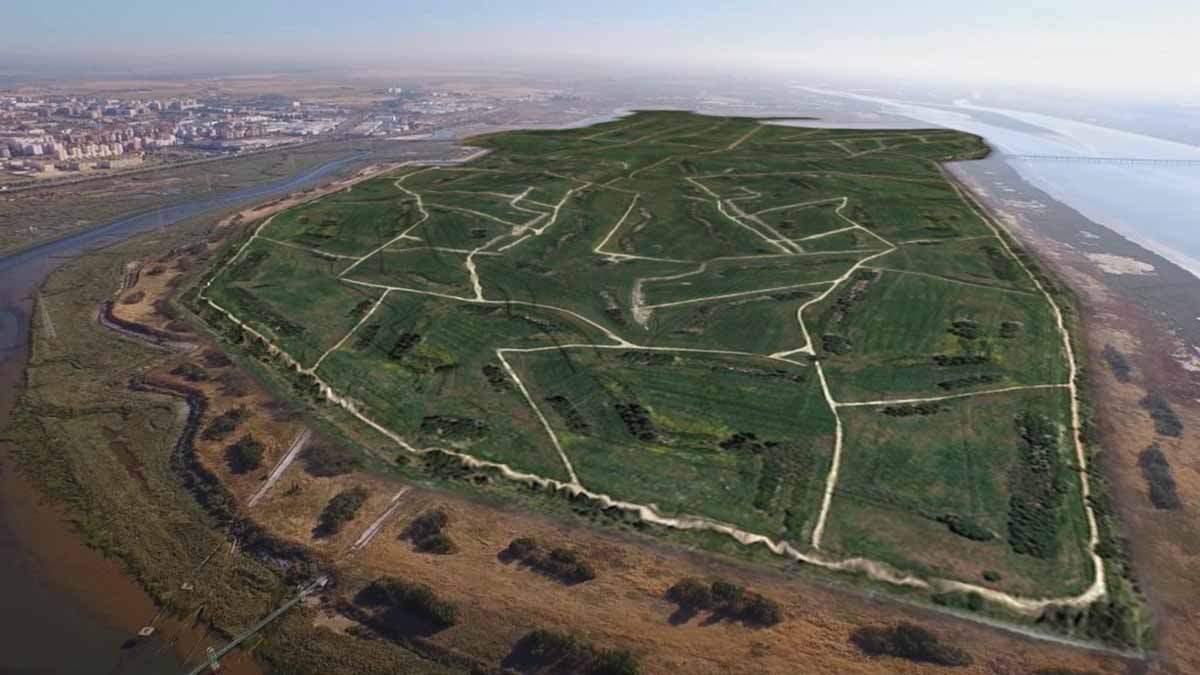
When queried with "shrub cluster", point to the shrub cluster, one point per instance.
{"points": [[910, 409], [1104, 620], [366, 336], [1166, 422], [637, 421], [561, 563], [969, 600], [449, 426], [360, 309], [965, 329], [1157, 472], [428, 533], [836, 344], [726, 600], [244, 455], [340, 510], [644, 358], [969, 381], [1003, 266], [781, 464], [495, 376], [403, 344], [224, 424], [215, 359], [1010, 329], [966, 527], [1117, 363], [950, 360], [190, 372], [417, 599], [908, 641], [1036, 485], [566, 410], [322, 459], [551, 651], [847, 298]]}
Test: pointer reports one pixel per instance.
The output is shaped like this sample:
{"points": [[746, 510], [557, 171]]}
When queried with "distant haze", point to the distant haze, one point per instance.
{"points": [[1106, 46]]}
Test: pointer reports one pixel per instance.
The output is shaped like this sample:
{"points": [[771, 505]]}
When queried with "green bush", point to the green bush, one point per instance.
{"points": [[908, 641], [341, 509], [427, 532], [1036, 486], [1105, 620], [966, 527], [965, 329], [566, 565], [1166, 421], [190, 372], [551, 651], [692, 594], [406, 596], [725, 599], [224, 424], [244, 455], [971, 600], [1118, 363], [1157, 472]]}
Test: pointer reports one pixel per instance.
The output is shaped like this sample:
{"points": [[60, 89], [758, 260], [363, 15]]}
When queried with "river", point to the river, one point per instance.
{"points": [[66, 608]]}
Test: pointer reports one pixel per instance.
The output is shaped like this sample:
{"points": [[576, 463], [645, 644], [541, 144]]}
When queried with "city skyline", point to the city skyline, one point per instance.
{"points": [[1105, 46]]}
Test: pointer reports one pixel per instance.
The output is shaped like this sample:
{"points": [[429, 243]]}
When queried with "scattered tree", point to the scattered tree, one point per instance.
{"points": [[564, 564], [398, 595], [1157, 472], [244, 455], [1166, 421], [340, 510], [908, 641], [427, 533]]}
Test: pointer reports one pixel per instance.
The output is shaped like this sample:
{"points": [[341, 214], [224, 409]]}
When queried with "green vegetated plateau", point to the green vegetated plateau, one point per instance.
{"points": [[640, 307]]}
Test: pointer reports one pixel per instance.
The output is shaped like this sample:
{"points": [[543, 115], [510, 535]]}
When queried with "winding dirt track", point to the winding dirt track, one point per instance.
{"points": [[648, 513]]}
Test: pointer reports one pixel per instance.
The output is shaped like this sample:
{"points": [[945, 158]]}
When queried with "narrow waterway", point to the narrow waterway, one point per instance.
{"points": [[65, 608]]}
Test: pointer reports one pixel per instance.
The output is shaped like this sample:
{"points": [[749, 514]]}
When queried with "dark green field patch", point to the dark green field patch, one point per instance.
{"points": [[902, 338], [346, 226], [292, 297], [909, 476], [430, 369], [417, 267], [721, 324], [980, 261], [660, 431], [749, 274]]}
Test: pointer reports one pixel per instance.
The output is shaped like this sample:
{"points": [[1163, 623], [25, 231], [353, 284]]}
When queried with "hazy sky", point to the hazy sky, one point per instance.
{"points": [[1152, 46]]}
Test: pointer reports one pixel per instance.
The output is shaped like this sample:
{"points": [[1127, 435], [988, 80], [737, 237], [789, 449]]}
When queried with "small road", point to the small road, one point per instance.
{"points": [[297, 445]]}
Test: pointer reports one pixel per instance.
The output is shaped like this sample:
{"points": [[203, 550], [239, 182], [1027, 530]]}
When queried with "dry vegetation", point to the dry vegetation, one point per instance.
{"points": [[498, 604]]}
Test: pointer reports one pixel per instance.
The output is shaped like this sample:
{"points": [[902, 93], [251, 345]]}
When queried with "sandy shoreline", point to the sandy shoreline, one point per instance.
{"points": [[1149, 274]]}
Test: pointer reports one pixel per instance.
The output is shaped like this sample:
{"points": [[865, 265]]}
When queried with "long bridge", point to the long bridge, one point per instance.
{"points": [[1086, 159]]}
